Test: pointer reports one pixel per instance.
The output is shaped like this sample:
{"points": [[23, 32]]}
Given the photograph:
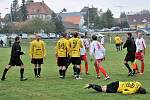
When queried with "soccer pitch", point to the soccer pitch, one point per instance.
{"points": [[50, 87]]}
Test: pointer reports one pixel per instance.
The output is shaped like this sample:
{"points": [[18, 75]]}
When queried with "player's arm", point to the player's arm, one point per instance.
{"points": [[56, 50], [91, 51], [18, 50], [31, 50], [68, 48], [125, 44], [144, 45], [44, 50], [115, 40], [81, 45], [104, 51]]}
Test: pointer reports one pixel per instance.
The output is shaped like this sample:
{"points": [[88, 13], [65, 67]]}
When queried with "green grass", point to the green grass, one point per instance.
{"points": [[50, 87]]}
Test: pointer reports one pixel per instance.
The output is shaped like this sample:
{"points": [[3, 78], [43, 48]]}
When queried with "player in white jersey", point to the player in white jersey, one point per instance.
{"points": [[98, 52], [83, 54], [140, 51]]}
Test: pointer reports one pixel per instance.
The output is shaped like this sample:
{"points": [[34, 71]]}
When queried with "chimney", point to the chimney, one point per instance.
{"points": [[42, 1]]}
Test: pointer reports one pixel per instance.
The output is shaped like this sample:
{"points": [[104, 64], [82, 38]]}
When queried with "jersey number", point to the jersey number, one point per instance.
{"points": [[61, 46], [131, 85], [74, 44]]}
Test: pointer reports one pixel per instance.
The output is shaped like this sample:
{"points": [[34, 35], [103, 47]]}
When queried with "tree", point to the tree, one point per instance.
{"points": [[23, 11], [34, 26], [58, 22], [123, 21], [14, 10], [107, 19]]}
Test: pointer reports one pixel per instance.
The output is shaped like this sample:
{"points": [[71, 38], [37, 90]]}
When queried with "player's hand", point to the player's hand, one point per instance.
{"points": [[56, 55]]}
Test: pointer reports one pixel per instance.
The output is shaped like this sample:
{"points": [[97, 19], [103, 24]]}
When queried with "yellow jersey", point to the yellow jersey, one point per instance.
{"points": [[62, 47], [117, 40], [75, 46], [129, 87], [37, 49]]}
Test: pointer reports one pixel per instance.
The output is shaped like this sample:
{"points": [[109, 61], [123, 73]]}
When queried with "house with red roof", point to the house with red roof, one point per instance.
{"points": [[72, 21], [38, 10], [140, 20]]}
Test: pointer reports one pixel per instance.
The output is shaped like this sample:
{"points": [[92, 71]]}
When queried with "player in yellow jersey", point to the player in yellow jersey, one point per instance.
{"points": [[75, 46], [62, 49], [119, 87], [117, 42], [37, 52]]}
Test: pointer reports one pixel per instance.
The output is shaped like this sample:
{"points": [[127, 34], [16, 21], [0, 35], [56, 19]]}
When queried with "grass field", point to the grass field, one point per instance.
{"points": [[50, 87]]}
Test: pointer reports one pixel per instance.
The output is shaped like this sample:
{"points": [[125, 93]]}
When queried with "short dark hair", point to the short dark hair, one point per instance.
{"points": [[17, 38], [129, 34], [75, 34], [94, 37], [64, 34], [142, 90]]}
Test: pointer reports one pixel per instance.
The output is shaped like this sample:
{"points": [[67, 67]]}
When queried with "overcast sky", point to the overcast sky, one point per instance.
{"points": [[76, 5]]}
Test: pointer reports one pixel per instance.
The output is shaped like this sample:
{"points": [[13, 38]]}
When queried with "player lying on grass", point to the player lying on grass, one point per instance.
{"points": [[119, 87]]}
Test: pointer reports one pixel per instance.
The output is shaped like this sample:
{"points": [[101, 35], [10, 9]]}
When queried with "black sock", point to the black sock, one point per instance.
{"points": [[127, 65], [35, 71], [133, 71], [74, 70], [39, 71], [66, 68], [21, 72], [63, 73], [60, 72], [4, 73], [96, 87], [78, 72]]}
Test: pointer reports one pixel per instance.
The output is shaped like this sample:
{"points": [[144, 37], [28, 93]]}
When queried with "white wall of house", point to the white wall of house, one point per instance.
{"points": [[41, 16]]}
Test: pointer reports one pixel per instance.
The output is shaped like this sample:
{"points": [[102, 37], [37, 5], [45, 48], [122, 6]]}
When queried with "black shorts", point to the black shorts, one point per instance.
{"points": [[15, 62], [76, 60], [130, 56], [62, 61], [112, 87], [117, 45], [37, 61]]}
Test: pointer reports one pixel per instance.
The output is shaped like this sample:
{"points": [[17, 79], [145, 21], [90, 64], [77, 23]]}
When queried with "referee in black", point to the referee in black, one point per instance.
{"points": [[15, 60], [130, 56]]}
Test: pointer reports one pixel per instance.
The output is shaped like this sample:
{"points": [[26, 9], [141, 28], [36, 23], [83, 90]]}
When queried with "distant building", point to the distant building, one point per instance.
{"points": [[38, 10], [140, 20], [72, 21]]}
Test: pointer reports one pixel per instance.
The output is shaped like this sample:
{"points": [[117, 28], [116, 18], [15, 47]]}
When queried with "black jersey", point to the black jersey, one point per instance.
{"points": [[130, 45]]}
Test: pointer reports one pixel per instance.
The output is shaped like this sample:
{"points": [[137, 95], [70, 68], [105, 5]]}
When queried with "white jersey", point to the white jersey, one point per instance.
{"points": [[83, 50], [85, 44], [140, 44], [97, 50]]}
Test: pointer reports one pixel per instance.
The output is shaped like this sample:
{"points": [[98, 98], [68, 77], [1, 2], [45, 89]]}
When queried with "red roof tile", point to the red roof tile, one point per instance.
{"points": [[38, 8], [72, 19]]}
